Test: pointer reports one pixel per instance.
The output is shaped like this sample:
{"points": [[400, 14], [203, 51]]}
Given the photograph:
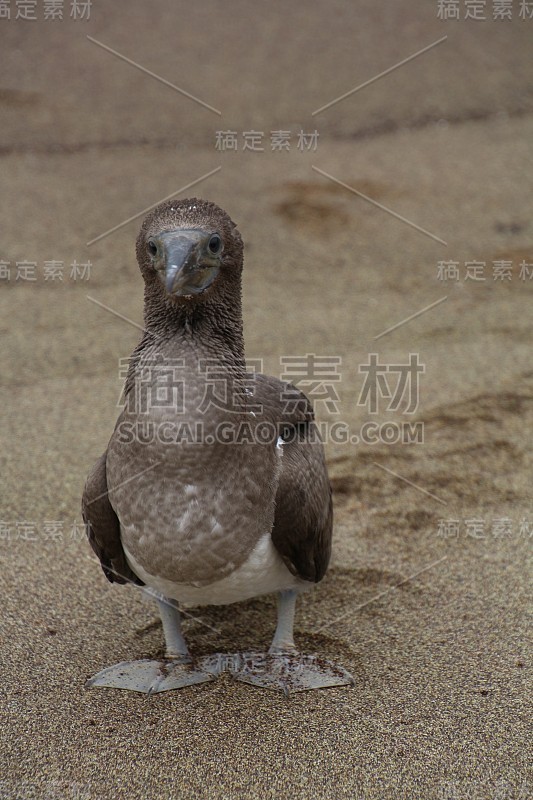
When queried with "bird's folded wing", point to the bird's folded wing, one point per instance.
{"points": [[103, 527], [303, 519], [283, 402]]}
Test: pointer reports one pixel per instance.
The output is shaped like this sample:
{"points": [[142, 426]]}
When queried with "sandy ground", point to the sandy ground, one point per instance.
{"points": [[426, 598]]}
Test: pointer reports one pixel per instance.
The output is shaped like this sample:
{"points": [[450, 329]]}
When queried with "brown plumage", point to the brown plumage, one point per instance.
{"points": [[211, 324], [212, 519]]}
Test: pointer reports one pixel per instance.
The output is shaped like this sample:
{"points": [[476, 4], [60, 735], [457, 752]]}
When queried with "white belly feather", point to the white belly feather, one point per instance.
{"points": [[262, 573]]}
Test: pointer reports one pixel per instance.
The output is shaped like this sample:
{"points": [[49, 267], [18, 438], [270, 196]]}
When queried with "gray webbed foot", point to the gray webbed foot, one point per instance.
{"points": [[291, 672], [149, 676], [283, 667], [282, 671]]}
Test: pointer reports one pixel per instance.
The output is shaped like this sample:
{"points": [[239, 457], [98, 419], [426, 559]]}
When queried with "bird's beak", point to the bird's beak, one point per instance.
{"points": [[183, 262]]}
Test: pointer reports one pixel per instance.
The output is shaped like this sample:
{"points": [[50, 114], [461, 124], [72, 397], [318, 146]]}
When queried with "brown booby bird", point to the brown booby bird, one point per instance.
{"points": [[213, 488]]}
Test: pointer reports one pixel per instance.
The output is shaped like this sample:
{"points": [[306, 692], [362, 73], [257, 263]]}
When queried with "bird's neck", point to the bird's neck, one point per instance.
{"points": [[197, 330], [201, 344]]}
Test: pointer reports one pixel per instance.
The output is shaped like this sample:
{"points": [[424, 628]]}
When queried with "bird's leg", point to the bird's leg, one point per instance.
{"points": [[283, 641], [283, 667], [176, 645], [239, 664], [174, 671]]}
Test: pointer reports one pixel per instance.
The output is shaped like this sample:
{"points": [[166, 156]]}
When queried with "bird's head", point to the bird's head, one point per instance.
{"points": [[188, 251]]}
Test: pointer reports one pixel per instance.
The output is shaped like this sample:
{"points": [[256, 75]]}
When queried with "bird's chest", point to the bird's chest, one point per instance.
{"points": [[191, 511]]}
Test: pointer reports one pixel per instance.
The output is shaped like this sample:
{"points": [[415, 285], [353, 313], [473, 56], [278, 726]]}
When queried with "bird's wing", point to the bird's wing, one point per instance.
{"points": [[303, 519], [103, 527]]}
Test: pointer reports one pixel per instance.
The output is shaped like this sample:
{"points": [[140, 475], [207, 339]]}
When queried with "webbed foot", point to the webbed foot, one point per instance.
{"points": [[149, 676], [292, 672], [283, 671]]}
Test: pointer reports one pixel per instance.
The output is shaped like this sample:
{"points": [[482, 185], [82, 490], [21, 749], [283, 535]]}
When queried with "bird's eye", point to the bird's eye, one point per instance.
{"points": [[152, 247], [215, 244]]}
